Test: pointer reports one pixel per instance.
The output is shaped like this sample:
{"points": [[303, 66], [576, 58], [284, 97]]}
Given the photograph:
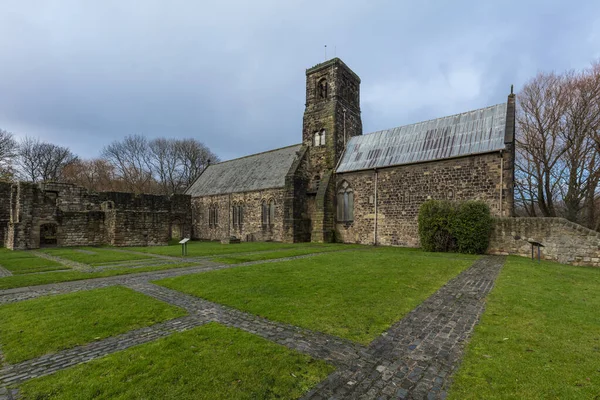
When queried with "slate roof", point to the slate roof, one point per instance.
{"points": [[255, 172], [472, 132]]}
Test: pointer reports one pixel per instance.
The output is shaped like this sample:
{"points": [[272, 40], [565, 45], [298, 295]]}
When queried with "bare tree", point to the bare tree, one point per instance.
{"points": [[8, 151], [558, 146], [195, 157], [95, 175], [42, 161], [131, 160], [542, 105]]}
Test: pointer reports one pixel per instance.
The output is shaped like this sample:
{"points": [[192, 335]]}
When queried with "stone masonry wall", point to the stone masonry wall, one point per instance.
{"points": [[5, 190], [81, 218], [401, 191], [565, 242], [251, 228]]}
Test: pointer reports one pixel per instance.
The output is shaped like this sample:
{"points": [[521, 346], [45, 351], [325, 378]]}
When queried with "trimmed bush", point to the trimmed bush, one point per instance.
{"points": [[435, 222], [472, 226], [463, 227]]}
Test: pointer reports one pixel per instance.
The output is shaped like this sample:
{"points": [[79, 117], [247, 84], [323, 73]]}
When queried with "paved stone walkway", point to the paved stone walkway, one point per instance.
{"points": [[69, 263], [414, 359], [4, 272]]}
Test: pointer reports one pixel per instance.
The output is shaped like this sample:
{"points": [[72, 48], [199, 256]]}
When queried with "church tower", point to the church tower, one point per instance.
{"points": [[331, 118], [332, 113]]}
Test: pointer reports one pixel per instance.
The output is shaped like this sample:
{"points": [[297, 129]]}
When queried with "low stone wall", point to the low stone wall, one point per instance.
{"points": [[565, 242]]}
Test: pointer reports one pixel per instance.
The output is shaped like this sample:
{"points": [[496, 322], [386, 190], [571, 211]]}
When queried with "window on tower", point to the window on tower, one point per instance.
{"points": [[322, 135], [322, 89]]}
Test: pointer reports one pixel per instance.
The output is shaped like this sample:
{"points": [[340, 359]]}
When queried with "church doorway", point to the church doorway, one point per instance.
{"points": [[48, 235]]}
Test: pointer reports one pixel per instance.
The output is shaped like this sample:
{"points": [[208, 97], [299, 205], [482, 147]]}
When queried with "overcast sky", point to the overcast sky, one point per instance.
{"points": [[231, 73]]}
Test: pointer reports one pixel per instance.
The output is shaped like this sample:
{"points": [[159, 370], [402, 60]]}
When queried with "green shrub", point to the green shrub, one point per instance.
{"points": [[463, 227], [435, 222], [472, 226]]}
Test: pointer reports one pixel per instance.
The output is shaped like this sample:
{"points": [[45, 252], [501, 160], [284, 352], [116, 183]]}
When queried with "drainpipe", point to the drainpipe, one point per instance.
{"points": [[229, 218], [501, 180], [375, 224]]}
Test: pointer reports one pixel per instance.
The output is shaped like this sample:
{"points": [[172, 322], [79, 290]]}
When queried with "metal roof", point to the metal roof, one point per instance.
{"points": [[255, 172], [472, 132]]}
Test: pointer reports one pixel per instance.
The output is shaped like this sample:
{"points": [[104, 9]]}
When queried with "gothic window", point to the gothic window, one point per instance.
{"points": [[213, 216], [345, 203], [322, 135], [322, 89], [271, 212], [264, 213]]}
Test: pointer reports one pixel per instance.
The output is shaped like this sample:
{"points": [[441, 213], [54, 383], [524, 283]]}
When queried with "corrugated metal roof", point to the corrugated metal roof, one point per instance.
{"points": [[255, 172], [478, 131]]}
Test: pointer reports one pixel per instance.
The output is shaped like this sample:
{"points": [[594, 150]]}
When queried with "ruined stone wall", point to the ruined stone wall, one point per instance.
{"points": [[79, 217], [5, 190], [401, 191], [251, 229], [565, 242]]}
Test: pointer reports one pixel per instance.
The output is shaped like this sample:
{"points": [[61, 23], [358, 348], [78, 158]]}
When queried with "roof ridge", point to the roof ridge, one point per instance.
{"points": [[256, 154], [433, 119]]}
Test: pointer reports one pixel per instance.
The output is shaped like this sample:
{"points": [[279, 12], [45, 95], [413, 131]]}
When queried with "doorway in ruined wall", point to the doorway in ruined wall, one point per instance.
{"points": [[48, 235], [176, 230]]}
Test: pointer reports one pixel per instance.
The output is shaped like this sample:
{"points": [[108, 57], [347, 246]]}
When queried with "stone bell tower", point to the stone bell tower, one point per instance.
{"points": [[331, 118]]}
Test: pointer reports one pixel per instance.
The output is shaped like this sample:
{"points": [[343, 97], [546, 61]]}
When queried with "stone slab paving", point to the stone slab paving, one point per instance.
{"points": [[69, 263], [16, 373], [414, 359], [417, 356], [31, 292], [339, 352], [4, 272]]}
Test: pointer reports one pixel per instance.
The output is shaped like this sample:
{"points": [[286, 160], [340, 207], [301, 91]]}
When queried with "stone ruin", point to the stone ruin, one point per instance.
{"points": [[34, 215]]}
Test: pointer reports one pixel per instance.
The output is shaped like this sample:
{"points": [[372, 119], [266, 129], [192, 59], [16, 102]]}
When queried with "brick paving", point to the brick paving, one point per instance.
{"points": [[414, 359]]}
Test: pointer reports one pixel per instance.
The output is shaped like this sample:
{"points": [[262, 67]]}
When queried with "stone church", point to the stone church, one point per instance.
{"points": [[342, 185]]}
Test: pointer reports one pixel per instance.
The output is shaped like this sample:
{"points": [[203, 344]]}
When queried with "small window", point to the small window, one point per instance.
{"points": [[213, 216], [316, 182], [264, 213], [322, 89], [345, 203], [237, 215], [271, 212], [322, 134], [317, 139]]}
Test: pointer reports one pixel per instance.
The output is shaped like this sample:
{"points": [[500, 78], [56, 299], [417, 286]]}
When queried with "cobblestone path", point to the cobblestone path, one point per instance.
{"points": [[414, 359]]}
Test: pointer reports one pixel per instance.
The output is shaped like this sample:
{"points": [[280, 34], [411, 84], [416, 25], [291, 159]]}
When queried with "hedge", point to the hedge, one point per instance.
{"points": [[449, 226]]}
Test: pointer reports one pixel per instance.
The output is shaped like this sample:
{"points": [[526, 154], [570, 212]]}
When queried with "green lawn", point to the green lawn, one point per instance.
{"points": [[93, 255], [208, 362], [204, 249], [23, 262], [539, 337], [17, 281], [356, 295], [270, 255], [31, 328]]}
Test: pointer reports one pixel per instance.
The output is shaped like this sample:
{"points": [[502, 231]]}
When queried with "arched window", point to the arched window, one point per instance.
{"points": [[264, 213], [317, 139], [322, 88], [271, 212], [345, 203], [213, 216], [322, 135]]}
